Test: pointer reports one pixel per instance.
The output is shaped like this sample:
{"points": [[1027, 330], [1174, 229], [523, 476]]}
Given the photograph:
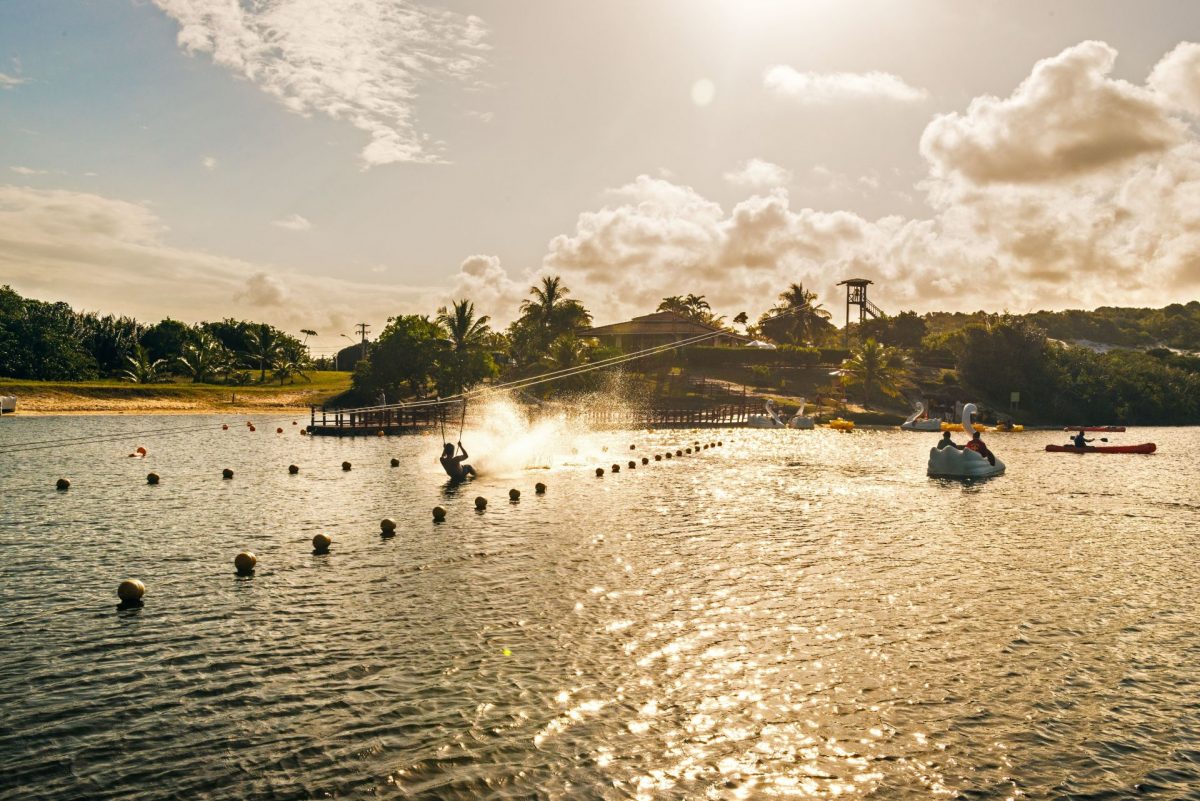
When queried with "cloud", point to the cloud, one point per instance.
{"points": [[1068, 118], [9, 81], [825, 88], [27, 171], [210, 163], [758, 174], [1077, 191], [293, 222], [1177, 78], [100, 253], [362, 61], [483, 280]]}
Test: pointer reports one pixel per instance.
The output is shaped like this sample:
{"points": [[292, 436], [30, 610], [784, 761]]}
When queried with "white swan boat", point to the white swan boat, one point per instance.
{"points": [[769, 420], [800, 421], [964, 463], [915, 423]]}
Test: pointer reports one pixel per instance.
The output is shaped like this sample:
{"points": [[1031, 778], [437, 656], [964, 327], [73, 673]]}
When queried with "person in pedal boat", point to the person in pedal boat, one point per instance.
{"points": [[946, 442], [453, 465], [1080, 440], [976, 444]]}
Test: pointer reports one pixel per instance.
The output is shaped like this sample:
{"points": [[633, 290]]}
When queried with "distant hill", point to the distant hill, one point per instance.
{"points": [[1175, 326]]}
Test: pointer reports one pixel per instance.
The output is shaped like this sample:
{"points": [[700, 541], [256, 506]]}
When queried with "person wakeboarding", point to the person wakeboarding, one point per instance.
{"points": [[1080, 440], [453, 465], [976, 444]]}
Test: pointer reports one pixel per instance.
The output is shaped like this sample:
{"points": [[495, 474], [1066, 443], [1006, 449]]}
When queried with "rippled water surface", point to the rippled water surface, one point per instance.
{"points": [[797, 613]]}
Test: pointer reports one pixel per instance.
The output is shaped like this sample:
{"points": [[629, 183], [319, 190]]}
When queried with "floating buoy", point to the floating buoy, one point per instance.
{"points": [[599, 472], [304, 432], [244, 563], [226, 473], [130, 591], [380, 433], [632, 465], [616, 468], [63, 484], [667, 454], [252, 428], [293, 469], [345, 465], [633, 447], [321, 543], [481, 503], [295, 423], [388, 526], [140, 451], [679, 453], [514, 495], [439, 514], [224, 426], [395, 462], [689, 450], [152, 478], [657, 457], [719, 442], [645, 460], [539, 488]]}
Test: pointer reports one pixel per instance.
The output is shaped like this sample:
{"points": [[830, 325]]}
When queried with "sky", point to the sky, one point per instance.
{"points": [[317, 163]]}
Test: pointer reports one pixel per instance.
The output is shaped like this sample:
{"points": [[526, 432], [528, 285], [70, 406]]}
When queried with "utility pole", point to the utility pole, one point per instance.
{"points": [[362, 332]]}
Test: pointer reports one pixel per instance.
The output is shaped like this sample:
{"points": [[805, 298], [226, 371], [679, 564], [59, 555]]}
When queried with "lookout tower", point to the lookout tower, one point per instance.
{"points": [[856, 295]]}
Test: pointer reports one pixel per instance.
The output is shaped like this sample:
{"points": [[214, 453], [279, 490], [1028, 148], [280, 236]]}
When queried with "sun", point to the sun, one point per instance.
{"points": [[703, 92]]}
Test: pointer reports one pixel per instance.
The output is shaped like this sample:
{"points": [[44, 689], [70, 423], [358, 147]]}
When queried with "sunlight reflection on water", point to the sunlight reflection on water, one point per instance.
{"points": [[796, 614]]}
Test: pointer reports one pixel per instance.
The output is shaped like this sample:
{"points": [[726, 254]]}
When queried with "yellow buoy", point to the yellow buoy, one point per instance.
{"points": [[387, 525], [345, 465], [514, 495], [226, 473], [539, 488], [321, 543], [293, 469], [152, 478], [244, 563], [439, 514], [131, 591], [63, 484], [481, 503]]}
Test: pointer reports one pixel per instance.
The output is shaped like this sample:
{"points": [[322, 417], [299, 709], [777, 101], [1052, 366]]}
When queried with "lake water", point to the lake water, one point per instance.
{"points": [[795, 614]]}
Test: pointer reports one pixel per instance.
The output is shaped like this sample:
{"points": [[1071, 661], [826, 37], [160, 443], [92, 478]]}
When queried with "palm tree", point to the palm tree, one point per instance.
{"points": [[263, 347], [797, 317], [552, 310], [466, 331], [204, 357], [874, 365], [142, 370]]}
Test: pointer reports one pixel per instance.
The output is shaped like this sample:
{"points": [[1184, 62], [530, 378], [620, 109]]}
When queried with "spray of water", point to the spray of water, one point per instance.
{"points": [[506, 438]]}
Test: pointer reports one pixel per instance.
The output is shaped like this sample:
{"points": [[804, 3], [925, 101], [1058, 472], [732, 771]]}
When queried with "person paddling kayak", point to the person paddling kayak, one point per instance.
{"points": [[1080, 440]]}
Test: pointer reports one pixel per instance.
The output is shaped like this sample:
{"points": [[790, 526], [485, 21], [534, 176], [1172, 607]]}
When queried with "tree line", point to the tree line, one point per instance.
{"points": [[53, 342]]}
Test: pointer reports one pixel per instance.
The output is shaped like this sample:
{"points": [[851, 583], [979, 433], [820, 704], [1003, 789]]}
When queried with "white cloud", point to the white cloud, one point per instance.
{"points": [[824, 88], [99, 253], [1177, 77], [362, 61], [759, 174], [1077, 191], [1068, 118], [9, 81], [293, 222], [27, 171], [210, 163], [482, 279]]}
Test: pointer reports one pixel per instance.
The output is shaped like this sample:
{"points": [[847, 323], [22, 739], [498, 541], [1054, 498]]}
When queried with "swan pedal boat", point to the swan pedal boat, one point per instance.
{"points": [[917, 422], [965, 463], [1144, 447]]}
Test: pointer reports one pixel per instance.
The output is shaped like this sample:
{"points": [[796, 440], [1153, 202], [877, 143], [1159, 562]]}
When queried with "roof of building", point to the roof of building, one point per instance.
{"points": [[856, 282], [663, 323]]}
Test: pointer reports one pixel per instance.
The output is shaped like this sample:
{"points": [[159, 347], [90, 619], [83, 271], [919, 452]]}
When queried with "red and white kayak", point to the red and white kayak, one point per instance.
{"points": [[1145, 447], [1107, 429]]}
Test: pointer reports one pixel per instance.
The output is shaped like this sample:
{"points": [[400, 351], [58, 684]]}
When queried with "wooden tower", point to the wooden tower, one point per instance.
{"points": [[856, 295]]}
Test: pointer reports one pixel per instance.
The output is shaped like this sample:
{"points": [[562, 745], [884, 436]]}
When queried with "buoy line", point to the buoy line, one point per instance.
{"points": [[101, 438]]}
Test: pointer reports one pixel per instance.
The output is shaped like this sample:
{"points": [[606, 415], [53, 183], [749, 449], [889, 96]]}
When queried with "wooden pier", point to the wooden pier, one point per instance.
{"points": [[368, 421]]}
